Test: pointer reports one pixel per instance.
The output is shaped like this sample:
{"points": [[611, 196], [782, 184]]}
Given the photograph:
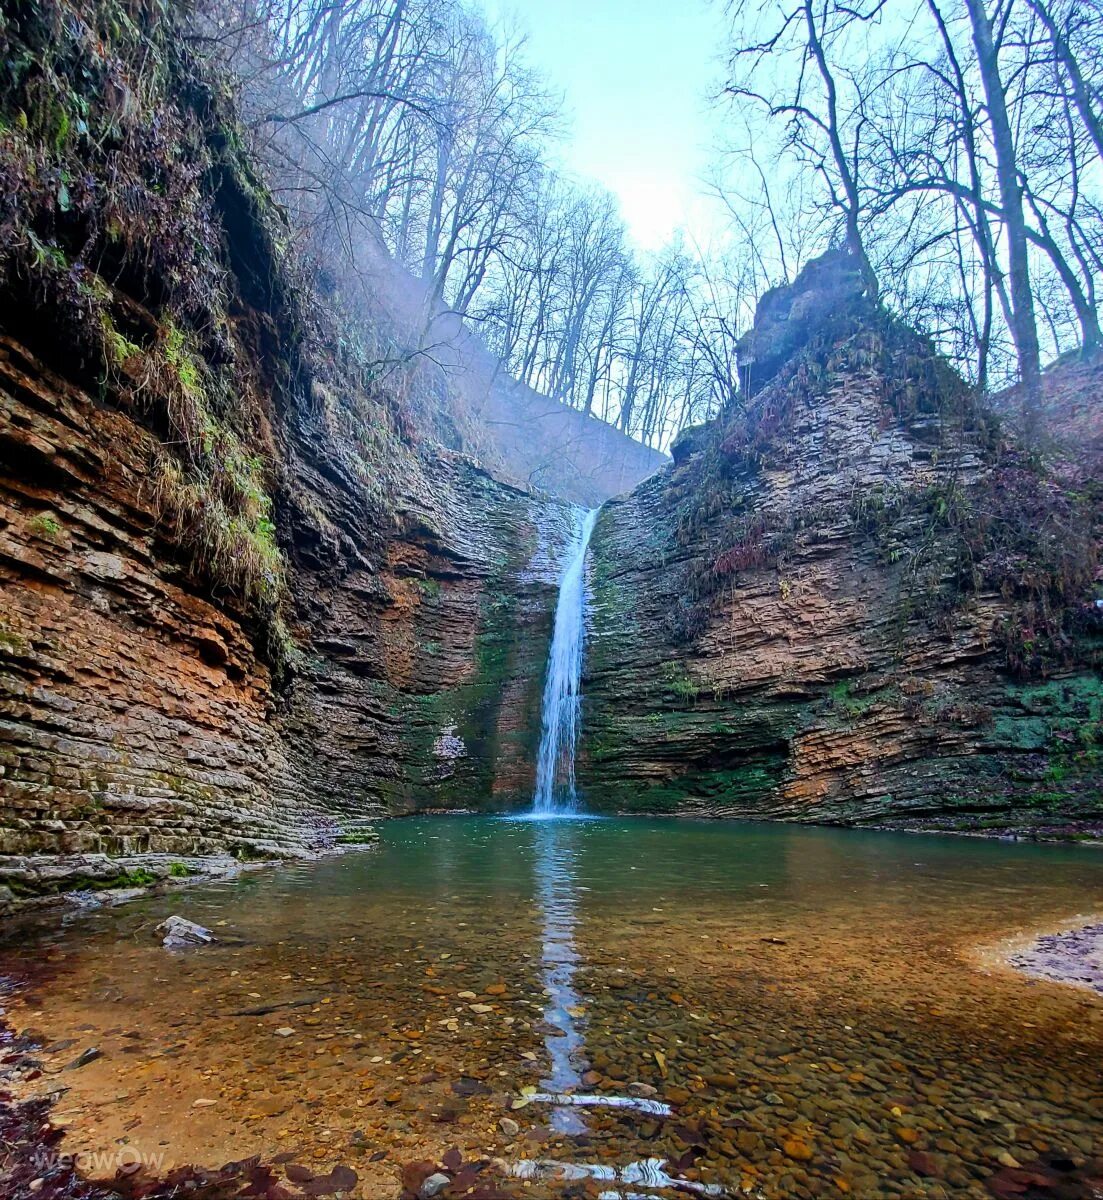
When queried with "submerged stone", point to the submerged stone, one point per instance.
{"points": [[181, 934]]}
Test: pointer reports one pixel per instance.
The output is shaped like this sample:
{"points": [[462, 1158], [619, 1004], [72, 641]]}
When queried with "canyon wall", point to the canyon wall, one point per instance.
{"points": [[139, 716], [856, 600], [247, 603]]}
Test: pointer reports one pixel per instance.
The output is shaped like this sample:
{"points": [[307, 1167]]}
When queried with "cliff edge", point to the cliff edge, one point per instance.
{"points": [[854, 598]]}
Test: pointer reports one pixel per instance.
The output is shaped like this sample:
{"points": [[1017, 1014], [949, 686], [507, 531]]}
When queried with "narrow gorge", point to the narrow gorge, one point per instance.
{"points": [[250, 602], [492, 709]]}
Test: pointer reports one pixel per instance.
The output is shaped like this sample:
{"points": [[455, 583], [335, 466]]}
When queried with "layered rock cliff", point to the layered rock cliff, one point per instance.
{"points": [[853, 599], [246, 604]]}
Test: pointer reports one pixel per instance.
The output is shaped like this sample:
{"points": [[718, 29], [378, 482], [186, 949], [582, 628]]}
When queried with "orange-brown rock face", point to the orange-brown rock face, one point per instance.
{"points": [[137, 714], [856, 604], [424, 688], [246, 602]]}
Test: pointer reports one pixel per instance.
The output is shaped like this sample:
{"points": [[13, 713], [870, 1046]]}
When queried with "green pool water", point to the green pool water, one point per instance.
{"points": [[594, 1007]]}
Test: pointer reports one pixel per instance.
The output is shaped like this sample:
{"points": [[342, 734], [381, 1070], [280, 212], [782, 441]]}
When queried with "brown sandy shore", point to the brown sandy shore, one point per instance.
{"points": [[35, 1166]]}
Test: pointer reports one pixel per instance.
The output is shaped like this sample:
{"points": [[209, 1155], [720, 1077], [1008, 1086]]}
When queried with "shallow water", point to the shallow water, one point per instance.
{"points": [[728, 1008]]}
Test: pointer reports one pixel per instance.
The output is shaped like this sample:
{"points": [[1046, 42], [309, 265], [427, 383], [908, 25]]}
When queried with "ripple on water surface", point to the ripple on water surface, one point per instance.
{"points": [[621, 1007]]}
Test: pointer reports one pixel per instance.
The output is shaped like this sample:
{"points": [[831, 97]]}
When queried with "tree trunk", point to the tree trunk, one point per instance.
{"points": [[1081, 93], [1024, 327], [852, 206]]}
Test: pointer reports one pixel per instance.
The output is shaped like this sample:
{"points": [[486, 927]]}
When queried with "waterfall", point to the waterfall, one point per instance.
{"points": [[555, 790]]}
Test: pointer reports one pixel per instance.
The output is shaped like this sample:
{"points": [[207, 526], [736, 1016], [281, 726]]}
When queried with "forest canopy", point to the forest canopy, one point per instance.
{"points": [[953, 146]]}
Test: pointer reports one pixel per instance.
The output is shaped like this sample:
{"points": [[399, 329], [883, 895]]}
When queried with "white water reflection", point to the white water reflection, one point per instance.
{"points": [[556, 889], [644, 1172], [556, 845], [652, 1108], [557, 848]]}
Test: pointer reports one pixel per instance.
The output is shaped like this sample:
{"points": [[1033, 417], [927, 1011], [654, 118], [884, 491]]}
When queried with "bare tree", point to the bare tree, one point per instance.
{"points": [[1024, 325], [960, 160]]}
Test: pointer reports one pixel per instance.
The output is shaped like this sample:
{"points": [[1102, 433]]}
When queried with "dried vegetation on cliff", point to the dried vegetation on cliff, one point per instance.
{"points": [[133, 216], [1020, 522]]}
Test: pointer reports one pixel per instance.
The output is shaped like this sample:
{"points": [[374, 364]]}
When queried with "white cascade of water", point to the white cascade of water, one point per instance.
{"points": [[555, 788]]}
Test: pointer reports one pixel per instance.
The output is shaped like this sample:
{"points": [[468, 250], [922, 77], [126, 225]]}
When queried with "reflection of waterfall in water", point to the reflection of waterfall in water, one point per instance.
{"points": [[555, 888], [557, 845], [555, 788]]}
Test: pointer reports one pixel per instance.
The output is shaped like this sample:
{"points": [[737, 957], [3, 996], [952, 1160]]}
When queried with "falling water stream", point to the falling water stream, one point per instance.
{"points": [[555, 780], [564, 1010]]}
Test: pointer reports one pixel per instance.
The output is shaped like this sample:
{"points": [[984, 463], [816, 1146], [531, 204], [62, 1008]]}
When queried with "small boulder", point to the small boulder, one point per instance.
{"points": [[433, 1186], [177, 933], [84, 1058]]}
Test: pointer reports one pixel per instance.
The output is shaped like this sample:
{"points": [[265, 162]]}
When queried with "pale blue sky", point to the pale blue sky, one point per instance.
{"points": [[637, 75]]}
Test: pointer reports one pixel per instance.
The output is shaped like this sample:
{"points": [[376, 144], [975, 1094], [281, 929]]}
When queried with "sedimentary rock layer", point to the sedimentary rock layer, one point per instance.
{"points": [[138, 715], [819, 612], [247, 601]]}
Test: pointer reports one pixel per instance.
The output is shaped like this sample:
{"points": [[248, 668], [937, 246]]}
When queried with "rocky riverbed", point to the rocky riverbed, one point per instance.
{"points": [[752, 1011]]}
